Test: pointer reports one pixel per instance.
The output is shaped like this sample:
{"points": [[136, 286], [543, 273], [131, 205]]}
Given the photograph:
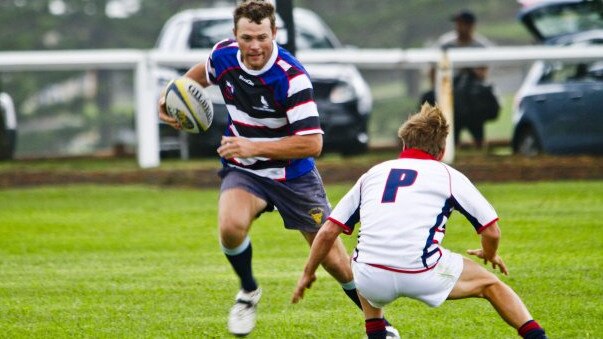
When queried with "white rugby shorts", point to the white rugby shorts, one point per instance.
{"points": [[381, 286]]}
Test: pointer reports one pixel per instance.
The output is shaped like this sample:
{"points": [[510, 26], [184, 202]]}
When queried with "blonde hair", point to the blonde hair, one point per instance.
{"points": [[426, 130]]}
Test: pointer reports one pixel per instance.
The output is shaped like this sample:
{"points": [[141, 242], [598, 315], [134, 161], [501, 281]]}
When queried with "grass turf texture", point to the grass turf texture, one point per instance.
{"points": [[144, 262]]}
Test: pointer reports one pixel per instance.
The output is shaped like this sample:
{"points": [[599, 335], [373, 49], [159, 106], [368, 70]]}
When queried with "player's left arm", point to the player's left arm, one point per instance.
{"points": [[490, 237], [321, 246], [291, 147]]}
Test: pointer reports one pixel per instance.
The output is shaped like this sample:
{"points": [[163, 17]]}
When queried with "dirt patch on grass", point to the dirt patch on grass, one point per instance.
{"points": [[479, 168]]}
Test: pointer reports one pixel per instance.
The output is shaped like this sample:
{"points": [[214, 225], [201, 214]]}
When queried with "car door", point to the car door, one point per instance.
{"points": [[553, 110], [587, 99]]}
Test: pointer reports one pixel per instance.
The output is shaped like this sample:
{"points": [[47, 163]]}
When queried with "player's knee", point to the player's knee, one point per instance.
{"points": [[492, 287], [232, 230]]}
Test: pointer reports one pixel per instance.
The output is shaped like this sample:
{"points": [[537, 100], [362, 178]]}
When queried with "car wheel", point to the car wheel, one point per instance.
{"points": [[528, 143]]}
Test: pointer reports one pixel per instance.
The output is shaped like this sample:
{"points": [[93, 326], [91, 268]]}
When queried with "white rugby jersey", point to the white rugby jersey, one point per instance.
{"points": [[403, 206], [268, 104]]}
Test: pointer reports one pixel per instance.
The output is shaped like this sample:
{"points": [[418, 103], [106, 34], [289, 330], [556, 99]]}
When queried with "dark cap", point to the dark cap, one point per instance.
{"points": [[464, 16]]}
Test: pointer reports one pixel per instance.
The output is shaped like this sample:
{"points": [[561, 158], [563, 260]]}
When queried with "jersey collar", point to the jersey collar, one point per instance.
{"points": [[266, 67], [416, 153]]}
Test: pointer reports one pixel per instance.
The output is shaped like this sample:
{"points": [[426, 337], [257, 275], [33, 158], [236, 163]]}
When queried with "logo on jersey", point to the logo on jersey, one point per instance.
{"points": [[265, 107], [317, 213], [245, 80], [229, 91]]}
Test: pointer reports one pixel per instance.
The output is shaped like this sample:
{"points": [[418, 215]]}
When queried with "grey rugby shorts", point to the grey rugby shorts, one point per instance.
{"points": [[302, 202]]}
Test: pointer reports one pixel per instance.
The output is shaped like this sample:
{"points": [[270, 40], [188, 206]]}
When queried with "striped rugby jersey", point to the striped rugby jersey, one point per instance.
{"points": [[403, 206], [267, 104]]}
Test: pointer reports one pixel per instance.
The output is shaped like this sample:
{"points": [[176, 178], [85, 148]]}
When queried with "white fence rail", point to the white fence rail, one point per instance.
{"points": [[143, 62]]}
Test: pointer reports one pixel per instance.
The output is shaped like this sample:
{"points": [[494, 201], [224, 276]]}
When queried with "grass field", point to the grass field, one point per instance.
{"points": [[144, 262]]}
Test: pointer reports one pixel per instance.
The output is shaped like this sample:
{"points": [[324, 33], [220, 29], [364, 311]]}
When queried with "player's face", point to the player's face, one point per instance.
{"points": [[255, 42]]}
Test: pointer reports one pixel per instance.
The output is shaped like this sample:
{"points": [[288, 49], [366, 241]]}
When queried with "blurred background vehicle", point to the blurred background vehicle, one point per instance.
{"points": [[343, 97], [8, 127], [559, 106]]}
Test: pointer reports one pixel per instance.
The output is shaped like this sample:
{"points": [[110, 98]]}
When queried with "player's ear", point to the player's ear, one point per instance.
{"points": [[441, 154]]}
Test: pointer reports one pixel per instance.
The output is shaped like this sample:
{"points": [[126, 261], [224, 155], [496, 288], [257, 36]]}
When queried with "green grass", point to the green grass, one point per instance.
{"points": [[144, 262]]}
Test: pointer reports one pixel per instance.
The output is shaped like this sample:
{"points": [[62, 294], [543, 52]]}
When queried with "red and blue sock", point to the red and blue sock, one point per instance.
{"points": [[375, 328], [531, 330]]}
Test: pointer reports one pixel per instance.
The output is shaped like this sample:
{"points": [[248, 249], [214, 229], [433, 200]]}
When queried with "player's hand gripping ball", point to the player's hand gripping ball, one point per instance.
{"points": [[187, 102]]}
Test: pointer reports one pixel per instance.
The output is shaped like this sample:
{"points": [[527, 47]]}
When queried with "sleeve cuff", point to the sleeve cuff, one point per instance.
{"points": [[346, 229], [481, 229]]}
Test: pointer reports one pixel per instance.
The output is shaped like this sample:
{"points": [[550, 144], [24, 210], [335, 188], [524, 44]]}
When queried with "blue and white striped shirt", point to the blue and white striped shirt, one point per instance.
{"points": [[268, 104]]}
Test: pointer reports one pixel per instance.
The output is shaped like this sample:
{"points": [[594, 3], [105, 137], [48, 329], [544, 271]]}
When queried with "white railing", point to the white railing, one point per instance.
{"points": [[143, 62]]}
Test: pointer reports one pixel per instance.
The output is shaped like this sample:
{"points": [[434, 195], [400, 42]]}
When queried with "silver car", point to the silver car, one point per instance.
{"points": [[559, 107]]}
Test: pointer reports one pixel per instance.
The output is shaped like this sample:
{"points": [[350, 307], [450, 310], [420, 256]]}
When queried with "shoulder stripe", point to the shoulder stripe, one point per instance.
{"points": [[225, 43], [283, 64]]}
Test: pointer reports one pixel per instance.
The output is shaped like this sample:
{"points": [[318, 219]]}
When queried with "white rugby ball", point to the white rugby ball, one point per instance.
{"points": [[187, 102]]}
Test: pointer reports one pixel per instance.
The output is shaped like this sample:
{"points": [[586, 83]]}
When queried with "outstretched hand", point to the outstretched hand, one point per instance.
{"points": [[496, 261], [304, 282]]}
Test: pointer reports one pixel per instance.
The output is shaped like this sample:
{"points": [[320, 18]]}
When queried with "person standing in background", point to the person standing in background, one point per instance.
{"points": [[467, 80]]}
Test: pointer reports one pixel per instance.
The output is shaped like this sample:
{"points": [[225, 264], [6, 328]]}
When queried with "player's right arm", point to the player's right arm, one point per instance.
{"points": [[321, 246]]}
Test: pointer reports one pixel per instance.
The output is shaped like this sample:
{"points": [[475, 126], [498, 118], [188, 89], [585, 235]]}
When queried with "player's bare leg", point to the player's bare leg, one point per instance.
{"points": [[235, 226], [236, 245], [374, 320], [337, 263], [476, 281]]}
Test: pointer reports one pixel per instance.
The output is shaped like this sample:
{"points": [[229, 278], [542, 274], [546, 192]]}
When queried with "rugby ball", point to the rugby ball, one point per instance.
{"points": [[187, 102]]}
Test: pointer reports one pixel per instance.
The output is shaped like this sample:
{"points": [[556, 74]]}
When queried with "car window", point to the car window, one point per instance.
{"points": [[559, 72], [206, 33], [305, 39], [557, 20], [595, 71]]}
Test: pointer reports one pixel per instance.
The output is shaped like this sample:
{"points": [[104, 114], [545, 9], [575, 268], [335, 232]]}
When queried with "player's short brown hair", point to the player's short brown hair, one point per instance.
{"points": [[256, 11], [426, 130]]}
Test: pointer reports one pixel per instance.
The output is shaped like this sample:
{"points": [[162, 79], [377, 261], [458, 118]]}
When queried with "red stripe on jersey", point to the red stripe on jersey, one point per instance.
{"points": [[481, 229], [318, 131], [387, 268], [226, 71], [240, 123], [345, 227]]}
